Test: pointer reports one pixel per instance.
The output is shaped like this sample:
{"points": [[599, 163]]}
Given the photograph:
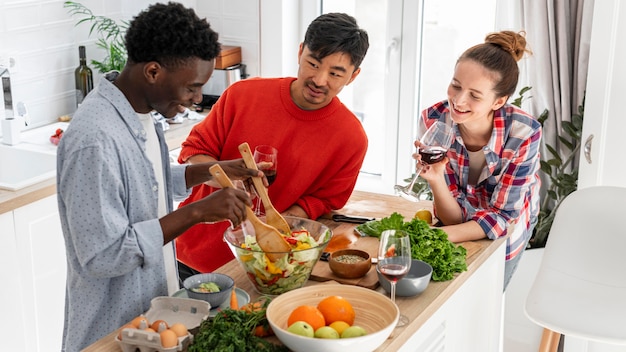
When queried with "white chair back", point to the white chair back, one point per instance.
{"points": [[580, 289]]}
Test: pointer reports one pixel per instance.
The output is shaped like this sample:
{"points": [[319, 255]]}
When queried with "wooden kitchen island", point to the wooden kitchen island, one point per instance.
{"points": [[463, 314]]}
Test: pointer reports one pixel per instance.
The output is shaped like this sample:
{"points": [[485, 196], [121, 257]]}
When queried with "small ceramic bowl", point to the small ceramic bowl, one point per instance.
{"points": [[350, 263], [225, 283], [413, 283]]}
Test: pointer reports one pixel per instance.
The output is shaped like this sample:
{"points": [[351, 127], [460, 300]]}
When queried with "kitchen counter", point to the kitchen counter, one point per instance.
{"points": [[423, 309], [10, 200]]}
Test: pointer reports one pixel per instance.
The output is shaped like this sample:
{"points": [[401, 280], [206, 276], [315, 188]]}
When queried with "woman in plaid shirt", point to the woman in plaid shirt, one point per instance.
{"points": [[488, 186]]}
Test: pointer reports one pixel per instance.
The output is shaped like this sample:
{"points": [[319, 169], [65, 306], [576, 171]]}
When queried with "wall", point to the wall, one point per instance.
{"points": [[43, 39]]}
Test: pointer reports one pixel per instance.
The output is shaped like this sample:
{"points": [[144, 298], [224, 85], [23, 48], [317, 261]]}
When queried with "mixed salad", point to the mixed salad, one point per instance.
{"points": [[291, 271]]}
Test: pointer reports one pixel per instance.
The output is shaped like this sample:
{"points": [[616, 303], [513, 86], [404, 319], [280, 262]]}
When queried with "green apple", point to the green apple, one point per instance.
{"points": [[353, 331], [326, 332], [301, 328]]}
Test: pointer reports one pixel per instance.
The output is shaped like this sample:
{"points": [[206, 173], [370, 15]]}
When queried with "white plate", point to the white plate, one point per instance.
{"points": [[242, 298]]}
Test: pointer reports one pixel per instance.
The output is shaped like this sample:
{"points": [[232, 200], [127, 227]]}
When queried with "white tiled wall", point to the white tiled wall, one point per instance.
{"points": [[42, 38]]}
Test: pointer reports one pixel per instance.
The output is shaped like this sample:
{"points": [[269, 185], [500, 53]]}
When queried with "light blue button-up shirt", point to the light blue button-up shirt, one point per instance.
{"points": [[107, 195]]}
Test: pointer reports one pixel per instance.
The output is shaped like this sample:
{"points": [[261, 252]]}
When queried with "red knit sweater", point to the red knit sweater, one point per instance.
{"points": [[320, 153]]}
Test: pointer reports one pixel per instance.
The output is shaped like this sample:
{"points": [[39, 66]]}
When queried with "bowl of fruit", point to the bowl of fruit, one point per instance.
{"points": [[332, 318], [307, 240]]}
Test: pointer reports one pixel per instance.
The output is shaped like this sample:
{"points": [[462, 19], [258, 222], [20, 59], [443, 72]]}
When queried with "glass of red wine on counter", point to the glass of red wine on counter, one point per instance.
{"points": [[435, 144], [394, 260], [269, 155]]}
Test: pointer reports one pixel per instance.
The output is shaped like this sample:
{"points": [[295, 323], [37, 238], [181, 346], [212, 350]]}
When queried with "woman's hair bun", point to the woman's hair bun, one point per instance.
{"points": [[511, 42]]}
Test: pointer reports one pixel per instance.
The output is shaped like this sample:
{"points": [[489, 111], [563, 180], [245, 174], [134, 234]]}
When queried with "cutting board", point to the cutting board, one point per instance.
{"points": [[321, 270], [344, 237]]}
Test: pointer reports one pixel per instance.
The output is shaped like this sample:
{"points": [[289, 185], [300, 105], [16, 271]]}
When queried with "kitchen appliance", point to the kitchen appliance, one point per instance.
{"points": [[222, 78], [228, 70]]}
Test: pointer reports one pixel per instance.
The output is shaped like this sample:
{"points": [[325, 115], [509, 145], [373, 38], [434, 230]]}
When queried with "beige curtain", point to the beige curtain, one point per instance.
{"points": [[558, 32]]}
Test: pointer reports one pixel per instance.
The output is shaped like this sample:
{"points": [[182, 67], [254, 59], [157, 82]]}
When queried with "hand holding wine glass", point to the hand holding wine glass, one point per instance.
{"points": [[266, 154], [394, 260], [435, 144]]}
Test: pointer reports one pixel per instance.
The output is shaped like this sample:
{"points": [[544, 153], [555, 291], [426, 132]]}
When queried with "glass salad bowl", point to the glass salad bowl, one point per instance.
{"points": [[308, 240]]}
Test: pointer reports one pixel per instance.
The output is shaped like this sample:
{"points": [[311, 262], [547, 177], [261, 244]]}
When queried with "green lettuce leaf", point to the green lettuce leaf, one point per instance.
{"points": [[430, 245]]}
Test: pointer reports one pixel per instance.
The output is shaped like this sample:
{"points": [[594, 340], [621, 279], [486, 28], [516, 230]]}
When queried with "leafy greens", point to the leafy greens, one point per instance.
{"points": [[232, 331], [430, 245]]}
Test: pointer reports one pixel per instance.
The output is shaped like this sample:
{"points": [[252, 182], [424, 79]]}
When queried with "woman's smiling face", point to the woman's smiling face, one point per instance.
{"points": [[471, 95]]}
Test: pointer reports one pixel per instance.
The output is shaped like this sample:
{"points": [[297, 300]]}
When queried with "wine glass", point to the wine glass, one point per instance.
{"points": [[266, 154], [435, 144], [394, 260]]}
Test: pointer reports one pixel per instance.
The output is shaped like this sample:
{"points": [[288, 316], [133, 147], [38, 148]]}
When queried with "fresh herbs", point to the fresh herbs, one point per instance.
{"points": [[430, 245], [234, 331]]}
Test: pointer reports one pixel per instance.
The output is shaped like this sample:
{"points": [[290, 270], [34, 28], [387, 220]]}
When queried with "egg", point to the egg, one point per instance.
{"points": [[127, 326], [140, 322], [180, 329], [159, 325], [168, 338]]}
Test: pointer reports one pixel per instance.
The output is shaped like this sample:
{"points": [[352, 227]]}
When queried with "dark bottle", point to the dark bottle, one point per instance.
{"points": [[83, 77]]}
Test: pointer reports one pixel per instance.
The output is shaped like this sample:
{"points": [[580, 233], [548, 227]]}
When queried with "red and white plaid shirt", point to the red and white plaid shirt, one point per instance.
{"points": [[507, 190]]}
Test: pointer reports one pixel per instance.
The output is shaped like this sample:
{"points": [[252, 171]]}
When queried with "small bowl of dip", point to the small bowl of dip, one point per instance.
{"points": [[350, 263]]}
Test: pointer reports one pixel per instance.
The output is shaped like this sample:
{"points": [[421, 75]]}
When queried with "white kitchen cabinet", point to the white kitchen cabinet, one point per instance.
{"points": [[470, 320], [33, 274], [12, 329]]}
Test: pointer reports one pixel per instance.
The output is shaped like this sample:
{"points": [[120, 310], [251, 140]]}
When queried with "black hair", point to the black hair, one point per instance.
{"points": [[337, 32], [170, 34]]}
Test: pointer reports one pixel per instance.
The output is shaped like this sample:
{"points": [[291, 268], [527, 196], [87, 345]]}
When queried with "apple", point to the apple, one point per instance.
{"points": [[353, 331], [326, 332], [301, 328]]}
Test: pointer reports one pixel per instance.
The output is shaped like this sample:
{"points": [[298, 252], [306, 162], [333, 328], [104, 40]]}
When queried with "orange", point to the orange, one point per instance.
{"points": [[308, 314], [336, 308]]}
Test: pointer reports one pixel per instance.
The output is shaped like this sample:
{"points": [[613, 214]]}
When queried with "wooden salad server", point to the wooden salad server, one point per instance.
{"points": [[269, 239], [272, 216]]}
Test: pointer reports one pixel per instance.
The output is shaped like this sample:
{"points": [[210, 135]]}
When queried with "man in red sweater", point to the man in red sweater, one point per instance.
{"points": [[321, 144]]}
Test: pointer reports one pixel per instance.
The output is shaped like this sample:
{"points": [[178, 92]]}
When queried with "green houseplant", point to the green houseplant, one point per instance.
{"points": [[111, 36], [559, 168]]}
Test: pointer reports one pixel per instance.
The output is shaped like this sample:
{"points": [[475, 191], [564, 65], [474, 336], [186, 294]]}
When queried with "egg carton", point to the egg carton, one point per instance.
{"points": [[190, 312]]}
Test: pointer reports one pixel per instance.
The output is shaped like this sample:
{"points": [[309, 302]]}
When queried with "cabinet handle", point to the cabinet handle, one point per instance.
{"points": [[587, 148]]}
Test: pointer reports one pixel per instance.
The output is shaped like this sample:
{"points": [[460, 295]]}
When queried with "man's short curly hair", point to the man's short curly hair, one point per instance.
{"points": [[170, 34]]}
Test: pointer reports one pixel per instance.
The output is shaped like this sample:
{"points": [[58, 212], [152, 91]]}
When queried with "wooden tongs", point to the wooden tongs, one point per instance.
{"points": [[272, 216], [269, 239]]}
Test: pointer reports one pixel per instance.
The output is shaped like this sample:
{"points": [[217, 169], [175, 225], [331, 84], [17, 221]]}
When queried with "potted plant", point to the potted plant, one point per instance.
{"points": [[111, 36], [561, 169]]}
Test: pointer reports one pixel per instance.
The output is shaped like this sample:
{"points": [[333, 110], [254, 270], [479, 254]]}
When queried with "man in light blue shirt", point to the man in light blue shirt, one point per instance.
{"points": [[115, 183]]}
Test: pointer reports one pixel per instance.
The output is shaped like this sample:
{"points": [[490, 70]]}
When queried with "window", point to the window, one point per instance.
{"points": [[413, 48]]}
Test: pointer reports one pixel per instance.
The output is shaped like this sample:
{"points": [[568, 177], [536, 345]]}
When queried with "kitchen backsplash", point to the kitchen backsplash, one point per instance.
{"points": [[43, 40]]}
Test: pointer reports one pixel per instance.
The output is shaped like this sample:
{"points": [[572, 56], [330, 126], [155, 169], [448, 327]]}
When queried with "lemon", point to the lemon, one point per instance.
{"points": [[424, 214], [339, 326]]}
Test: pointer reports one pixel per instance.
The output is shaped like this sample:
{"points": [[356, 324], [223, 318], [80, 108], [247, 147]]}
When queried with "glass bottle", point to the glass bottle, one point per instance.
{"points": [[83, 77]]}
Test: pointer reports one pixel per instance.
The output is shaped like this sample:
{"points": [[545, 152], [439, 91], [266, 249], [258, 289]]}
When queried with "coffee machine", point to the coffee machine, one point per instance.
{"points": [[228, 70]]}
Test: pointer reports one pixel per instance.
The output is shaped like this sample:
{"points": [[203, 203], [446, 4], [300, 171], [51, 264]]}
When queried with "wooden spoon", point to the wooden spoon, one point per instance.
{"points": [[272, 216], [269, 239]]}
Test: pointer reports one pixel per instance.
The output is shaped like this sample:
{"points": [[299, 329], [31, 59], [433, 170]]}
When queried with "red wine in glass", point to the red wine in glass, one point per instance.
{"points": [[271, 176], [393, 272], [431, 155]]}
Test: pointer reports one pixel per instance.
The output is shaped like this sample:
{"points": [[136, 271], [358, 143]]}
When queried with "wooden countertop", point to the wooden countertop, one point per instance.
{"points": [[418, 309], [10, 200]]}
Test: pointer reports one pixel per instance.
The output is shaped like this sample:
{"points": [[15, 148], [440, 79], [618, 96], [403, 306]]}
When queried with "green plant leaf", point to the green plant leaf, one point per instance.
{"points": [[555, 154]]}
